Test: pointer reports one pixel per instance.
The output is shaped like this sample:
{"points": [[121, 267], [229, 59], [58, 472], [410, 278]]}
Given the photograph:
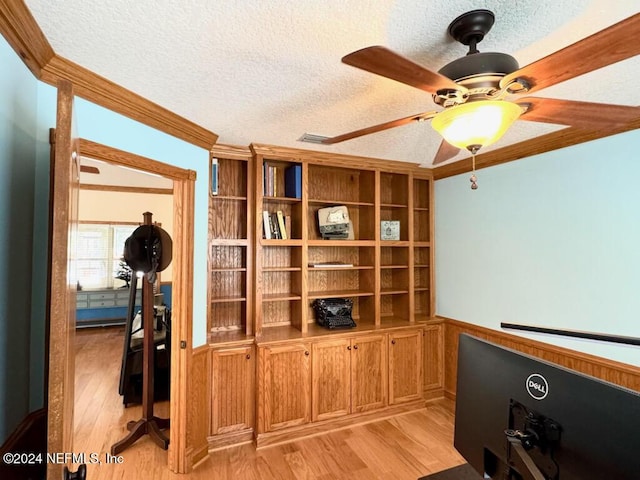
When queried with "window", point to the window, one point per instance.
{"points": [[99, 252]]}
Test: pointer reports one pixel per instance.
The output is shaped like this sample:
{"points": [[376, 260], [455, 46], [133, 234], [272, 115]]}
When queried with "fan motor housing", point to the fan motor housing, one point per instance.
{"points": [[483, 63], [480, 73]]}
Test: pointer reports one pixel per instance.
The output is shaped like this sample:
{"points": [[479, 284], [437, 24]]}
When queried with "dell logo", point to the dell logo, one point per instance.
{"points": [[537, 386]]}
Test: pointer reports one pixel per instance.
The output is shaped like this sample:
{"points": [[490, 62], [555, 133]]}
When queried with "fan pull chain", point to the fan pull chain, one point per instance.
{"points": [[473, 179]]}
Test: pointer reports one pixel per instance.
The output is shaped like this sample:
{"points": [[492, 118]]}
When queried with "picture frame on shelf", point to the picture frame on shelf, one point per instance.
{"points": [[390, 230]]}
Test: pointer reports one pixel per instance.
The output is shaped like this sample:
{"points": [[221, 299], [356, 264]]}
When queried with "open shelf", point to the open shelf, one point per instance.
{"points": [[388, 281], [326, 203], [228, 300], [420, 194], [230, 234], [339, 293], [394, 189]]}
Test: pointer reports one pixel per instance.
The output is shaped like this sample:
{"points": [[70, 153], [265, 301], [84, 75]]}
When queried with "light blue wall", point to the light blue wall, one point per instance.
{"points": [[27, 112], [18, 110], [551, 240], [106, 127]]}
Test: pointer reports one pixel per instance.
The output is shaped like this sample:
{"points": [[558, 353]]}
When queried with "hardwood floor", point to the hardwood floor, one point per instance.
{"points": [[403, 447]]}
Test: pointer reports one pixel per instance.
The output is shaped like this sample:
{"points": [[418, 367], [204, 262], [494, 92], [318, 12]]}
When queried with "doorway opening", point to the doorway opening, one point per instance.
{"points": [[168, 193]]}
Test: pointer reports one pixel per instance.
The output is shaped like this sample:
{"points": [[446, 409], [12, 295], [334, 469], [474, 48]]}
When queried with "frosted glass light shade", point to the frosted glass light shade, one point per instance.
{"points": [[478, 123]]}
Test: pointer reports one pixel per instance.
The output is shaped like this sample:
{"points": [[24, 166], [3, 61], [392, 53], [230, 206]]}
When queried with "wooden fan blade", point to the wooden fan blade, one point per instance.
{"points": [[577, 114], [445, 152], [89, 169], [603, 48], [384, 62], [379, 128]]}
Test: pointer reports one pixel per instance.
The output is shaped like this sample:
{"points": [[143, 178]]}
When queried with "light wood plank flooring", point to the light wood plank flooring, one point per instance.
{"points": [[403, 447]]}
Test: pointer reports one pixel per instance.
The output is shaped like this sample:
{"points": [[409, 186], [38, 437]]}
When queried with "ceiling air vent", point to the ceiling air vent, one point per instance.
{"points": [[311, 138]]}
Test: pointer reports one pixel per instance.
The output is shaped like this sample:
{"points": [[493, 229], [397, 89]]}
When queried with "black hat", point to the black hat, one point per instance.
{"points": [[148, 249]]}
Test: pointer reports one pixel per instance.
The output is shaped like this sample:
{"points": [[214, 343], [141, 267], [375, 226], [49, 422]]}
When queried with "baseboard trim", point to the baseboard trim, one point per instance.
{"points": [[30, 436], [436, 394], [232, 439], [318, 428], [21, 435], [198, 455]]}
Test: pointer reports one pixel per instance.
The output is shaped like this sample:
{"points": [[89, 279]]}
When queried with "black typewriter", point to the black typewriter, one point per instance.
{"points": [[334, 312]]}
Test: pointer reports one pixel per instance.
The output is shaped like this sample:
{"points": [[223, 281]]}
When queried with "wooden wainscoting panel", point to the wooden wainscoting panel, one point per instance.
{"points": [[199, 411], [608, 370]]}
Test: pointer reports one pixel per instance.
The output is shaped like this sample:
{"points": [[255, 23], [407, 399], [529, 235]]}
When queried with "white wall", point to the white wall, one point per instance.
{"points": [[551, 240]]}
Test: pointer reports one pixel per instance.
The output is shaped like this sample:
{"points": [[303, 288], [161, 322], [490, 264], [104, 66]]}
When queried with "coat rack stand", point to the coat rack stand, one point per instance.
{"points": [[148, 424]]}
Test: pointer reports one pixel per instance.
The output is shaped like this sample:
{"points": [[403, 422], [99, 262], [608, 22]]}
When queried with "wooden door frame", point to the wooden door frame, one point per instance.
{"points": [[63, 210], [179, 460]]}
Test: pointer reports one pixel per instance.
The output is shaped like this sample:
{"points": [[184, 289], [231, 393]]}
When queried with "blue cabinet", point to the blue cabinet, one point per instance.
{"points": [[103, 307]]}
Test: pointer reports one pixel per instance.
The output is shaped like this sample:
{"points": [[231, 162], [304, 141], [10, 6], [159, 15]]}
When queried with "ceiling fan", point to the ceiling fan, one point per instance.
{"points": [[483, 83]]}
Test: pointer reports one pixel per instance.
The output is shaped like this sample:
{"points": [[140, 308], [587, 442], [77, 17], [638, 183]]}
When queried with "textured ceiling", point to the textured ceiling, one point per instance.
{"points": [[268, 71]]}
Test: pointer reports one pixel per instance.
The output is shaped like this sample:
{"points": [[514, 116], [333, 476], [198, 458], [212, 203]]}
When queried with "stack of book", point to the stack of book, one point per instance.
{"points": [[276, 225], [282, 182], [270, 176]]}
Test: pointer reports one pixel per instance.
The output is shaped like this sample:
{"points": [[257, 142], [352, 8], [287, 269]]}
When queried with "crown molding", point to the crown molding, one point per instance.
{"points": [[20, 29], [24, 35], [338, 159], [120, 189], [107, 154], [545, 143], [105, 93]]}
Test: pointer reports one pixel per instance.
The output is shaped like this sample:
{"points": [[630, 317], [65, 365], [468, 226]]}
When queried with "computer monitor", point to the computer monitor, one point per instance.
{"points": [[522, 418]]}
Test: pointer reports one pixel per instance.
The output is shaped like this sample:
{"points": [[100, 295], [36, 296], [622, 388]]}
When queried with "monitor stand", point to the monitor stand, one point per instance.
{"points": [[531, 440]]}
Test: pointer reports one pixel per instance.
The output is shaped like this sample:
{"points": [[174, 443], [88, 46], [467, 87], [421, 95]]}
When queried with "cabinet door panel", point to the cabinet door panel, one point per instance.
{"points": [[331, 377], [285, 386], [232, 390], [368, 373], [405, 366], [433, 357]]}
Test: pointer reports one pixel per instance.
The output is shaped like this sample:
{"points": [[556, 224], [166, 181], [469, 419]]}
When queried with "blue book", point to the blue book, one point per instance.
{"points": [[293, 181]]}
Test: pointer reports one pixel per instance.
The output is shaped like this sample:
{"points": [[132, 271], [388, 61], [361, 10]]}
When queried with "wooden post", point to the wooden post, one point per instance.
{"points": [[148, 424]]}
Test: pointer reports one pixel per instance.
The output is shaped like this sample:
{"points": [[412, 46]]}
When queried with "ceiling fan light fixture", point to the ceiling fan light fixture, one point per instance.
{"points": [[476, 124]]}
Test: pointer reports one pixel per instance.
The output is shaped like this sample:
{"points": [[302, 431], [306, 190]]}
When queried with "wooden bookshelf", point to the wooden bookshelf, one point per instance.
{"points": [[387, 280], [262, 290], [230, 263], [258, 283]]}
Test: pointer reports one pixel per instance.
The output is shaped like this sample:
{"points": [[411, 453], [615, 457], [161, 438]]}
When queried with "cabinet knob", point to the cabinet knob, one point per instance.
{"points": [[306, 352], [393, 342], [355, 347], [248, 357], [349, 347]]}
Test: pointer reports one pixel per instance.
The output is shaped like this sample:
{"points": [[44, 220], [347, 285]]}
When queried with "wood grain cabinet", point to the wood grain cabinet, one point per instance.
{"points": [[433, 359], [284, 386], [263, 285], [348, 376], [368, 372], [331, 378], [405, 366], [232, 399]]}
